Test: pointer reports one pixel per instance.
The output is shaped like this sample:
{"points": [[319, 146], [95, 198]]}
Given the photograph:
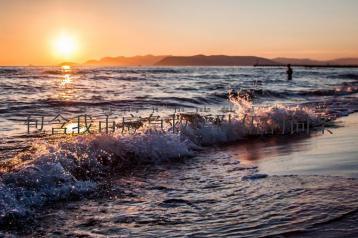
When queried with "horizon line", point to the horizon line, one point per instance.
{"points": [[169, 55]]}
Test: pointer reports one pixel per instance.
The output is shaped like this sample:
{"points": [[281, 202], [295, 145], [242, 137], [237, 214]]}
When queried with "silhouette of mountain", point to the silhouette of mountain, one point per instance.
{"points": [[68, 64], [340, 61], [344, 61], [295, 61], [126, 61], [214, 60]]}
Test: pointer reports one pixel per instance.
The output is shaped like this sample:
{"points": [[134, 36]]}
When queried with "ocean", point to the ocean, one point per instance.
{"points": [[177, 151]]}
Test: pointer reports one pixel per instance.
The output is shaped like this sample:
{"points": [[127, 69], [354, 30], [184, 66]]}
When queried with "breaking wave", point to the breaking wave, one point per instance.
{"points": [[72, 167]]}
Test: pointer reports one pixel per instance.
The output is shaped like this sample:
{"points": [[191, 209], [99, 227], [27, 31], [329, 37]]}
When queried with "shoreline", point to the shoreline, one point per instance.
{"points": [[317, 154]]}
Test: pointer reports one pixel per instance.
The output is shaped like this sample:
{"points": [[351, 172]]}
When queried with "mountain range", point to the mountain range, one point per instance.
{"points": [[214, 60], [340, 61], [126, 61]]}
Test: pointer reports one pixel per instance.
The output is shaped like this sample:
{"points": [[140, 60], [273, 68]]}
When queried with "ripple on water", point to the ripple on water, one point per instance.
{"points": [[171, 201]]}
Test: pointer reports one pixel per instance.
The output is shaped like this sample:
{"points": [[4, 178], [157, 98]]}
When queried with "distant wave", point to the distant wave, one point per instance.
{"points": [[346, 76], [144, 101], [55, 72], [6, 71], [185, 101], [129, 70], [139, 102], [341, 90]]}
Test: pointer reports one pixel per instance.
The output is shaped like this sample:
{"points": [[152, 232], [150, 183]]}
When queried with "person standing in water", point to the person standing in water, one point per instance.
{"points": [[289, 72]]}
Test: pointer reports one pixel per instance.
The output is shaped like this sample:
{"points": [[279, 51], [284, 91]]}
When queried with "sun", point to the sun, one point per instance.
{"points": [[65, 46]]}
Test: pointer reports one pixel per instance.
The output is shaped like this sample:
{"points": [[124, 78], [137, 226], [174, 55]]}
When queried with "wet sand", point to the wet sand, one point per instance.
{"points": [[333, 153]]}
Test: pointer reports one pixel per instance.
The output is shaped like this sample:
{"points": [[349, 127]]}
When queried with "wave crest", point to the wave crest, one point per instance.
{"points": [[74, 166]]}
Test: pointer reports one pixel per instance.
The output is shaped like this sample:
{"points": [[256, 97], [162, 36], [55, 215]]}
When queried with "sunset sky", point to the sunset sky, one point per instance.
{"points": [[43, 32]]}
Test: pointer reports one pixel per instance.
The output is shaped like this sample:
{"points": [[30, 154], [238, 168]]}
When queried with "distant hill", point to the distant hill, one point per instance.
{"points": [[294, 61], [68, 64], [214, 60], [126, 61], [344, 61]]}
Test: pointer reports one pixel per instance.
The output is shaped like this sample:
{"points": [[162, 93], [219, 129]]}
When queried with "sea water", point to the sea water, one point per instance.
{"points": [[171, 181]]}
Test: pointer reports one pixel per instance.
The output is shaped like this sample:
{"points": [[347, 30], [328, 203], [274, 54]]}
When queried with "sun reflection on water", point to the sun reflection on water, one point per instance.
{"points": [[67, 79], [66, 68], [66, 89]]}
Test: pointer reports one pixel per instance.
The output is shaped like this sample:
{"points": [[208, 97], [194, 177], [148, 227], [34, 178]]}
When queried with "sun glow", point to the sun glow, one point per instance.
{"points": [[65, 46], [66, 68]]}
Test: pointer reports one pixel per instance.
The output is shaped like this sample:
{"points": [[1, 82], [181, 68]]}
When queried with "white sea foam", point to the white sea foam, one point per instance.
{"points": [[72, 167]]}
